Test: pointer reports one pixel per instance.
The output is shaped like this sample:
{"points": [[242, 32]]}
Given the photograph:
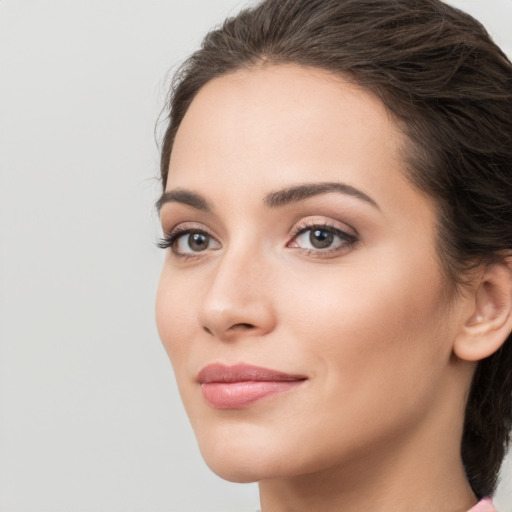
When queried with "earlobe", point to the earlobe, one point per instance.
{"points": [[489, 322]]}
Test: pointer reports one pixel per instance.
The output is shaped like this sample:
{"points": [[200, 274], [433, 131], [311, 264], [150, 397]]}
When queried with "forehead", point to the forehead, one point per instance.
{"points": [[273, 125], [267, 98]]}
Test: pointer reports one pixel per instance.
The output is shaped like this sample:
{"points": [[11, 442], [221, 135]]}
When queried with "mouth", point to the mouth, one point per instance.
{"points": [[241, 385]]}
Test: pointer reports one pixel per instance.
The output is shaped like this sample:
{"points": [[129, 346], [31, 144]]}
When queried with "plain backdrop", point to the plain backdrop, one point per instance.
{"points": [[90, 418]]}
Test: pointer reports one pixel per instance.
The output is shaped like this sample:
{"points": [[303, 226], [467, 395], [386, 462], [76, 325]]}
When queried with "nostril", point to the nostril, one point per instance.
{"points": [[243, 326], [233, 329]]}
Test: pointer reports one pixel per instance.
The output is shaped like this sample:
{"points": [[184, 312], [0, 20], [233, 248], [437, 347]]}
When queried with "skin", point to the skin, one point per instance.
{"points": [[377, 423]]}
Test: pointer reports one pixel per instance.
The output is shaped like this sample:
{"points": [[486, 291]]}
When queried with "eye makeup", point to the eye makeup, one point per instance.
{"points": [[324, 239], [313, 237], [186, 241]]}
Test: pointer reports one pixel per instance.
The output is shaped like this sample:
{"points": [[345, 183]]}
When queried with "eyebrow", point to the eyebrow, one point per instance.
{"points": [[301, 192], [183, 196], [274, 199]]}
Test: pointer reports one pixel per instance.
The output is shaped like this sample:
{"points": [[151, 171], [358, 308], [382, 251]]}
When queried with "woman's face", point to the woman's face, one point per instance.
{"points": [[301, 299]]}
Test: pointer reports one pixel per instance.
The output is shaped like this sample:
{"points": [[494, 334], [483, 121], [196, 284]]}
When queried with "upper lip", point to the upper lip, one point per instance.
{"points": [[242, 372]]}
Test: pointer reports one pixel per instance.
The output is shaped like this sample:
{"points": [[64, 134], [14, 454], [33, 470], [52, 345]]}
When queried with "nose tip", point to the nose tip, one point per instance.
{"points": [[226, 325], [236, 303]]}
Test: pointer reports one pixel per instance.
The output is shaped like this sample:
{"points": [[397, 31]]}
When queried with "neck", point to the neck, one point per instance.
{"points": [[421, 471], [411, 487]]}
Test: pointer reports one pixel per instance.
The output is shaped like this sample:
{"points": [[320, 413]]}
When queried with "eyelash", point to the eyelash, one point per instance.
{"points": [[348, 240], [169, 240]]}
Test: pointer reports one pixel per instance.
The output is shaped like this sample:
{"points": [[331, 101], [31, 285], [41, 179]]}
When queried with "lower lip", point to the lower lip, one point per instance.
{"points": [[237, 395]]}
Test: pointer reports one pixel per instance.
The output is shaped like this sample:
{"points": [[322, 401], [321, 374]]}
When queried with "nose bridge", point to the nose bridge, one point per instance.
{"points": [[238, 293]]}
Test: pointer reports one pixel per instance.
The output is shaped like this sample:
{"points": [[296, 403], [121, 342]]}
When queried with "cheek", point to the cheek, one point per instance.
{"points": [[174, 317], [373, 329], [176, 320], [374, 340]]}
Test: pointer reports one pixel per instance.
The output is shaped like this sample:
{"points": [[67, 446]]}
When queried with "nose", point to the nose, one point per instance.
{"points": [[238, 301]]}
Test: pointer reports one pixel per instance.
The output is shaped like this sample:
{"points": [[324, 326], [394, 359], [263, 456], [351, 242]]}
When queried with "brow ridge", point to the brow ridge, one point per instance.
{"points": [[184, 196], [303, 191], [274, 199]]}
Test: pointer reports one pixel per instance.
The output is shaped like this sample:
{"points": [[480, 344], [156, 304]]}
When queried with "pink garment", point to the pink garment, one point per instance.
{"points": [[484, 505]]}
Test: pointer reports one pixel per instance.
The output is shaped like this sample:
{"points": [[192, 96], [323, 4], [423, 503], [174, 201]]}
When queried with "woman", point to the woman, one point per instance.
{"points": [[336, 297]]}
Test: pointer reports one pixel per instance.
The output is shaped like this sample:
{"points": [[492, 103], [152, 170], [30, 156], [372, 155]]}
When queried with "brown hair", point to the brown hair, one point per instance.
{"points": [[449, 88]]}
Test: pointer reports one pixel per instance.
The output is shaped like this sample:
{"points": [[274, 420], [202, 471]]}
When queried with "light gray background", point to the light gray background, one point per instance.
{"points": [[90, 418]]}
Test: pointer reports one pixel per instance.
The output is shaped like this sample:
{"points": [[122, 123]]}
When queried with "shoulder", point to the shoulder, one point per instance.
{"points": [[484, 505]]}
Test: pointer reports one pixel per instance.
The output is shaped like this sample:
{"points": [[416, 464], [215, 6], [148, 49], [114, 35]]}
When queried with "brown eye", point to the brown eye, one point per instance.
{"points": [[198, 241], [320, 239], [191, 242], [323, 241]]}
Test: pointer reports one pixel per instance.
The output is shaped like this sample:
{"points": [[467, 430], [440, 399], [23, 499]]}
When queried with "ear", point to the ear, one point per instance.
{"points": [[489, 321]]}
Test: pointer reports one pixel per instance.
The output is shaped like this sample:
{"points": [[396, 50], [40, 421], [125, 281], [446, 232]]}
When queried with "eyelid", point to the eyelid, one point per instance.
{"points": [[348, 237], [322, 222], [170, 237]]}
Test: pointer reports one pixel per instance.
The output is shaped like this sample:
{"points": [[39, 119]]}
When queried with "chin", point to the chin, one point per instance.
{"points": [[235, 463], [245, 454], [233, 466], [237, 474], [244, 457], [247, 471]]}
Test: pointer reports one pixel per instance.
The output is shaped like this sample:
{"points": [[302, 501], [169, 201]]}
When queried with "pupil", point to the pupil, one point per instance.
{"points": [[320, 239], [198, 241]]}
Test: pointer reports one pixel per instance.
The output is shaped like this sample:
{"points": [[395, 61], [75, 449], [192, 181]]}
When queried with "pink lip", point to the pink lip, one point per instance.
{"points": [[239, 386]]}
